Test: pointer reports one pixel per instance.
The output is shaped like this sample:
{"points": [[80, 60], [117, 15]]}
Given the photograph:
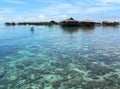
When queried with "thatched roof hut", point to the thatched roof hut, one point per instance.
{"points": [[53, 22], [70, 23]]}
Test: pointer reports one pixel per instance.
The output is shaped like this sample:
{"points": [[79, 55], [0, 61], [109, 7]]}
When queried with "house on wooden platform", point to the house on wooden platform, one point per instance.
{"points": [[106, 23], [87, 23], [70, 23]]}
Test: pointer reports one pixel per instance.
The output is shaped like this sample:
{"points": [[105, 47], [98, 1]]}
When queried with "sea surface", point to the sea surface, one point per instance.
{"points": [[54, 57]]}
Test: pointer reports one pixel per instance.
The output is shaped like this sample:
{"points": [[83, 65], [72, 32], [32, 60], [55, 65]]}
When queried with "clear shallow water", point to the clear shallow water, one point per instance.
{"points": [[51, 57]]}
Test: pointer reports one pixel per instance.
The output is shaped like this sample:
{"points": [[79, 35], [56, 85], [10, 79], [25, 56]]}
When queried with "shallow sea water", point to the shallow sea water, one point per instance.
{"points": [[53, 57]]}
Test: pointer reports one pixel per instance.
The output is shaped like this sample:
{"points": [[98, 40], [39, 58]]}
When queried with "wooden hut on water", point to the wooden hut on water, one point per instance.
{"points": [[87, 23], [53, 22], [70, 23], [106, 23], [10, 23], [7, 23]]}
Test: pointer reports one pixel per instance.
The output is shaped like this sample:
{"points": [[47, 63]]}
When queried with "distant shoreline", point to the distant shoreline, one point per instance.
{"points": [[67, 22]]}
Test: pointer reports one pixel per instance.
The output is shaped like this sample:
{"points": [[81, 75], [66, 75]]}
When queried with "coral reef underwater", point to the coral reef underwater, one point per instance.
{"points": [[56, 61]]}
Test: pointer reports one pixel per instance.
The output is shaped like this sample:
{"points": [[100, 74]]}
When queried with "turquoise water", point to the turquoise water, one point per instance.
{"points": [[53, 57]]}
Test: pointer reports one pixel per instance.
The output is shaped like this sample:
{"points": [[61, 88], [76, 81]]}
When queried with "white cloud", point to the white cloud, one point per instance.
{"points": [[58, 17], [59, 9], [1, 18], [41, 16], [6, 11], [108, 1], [15, 1], [83, 4], [71, 9], [100, 9]]}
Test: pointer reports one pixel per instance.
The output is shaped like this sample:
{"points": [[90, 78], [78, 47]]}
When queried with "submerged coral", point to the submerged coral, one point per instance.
{"points": [[2, 71], [54, 59]]}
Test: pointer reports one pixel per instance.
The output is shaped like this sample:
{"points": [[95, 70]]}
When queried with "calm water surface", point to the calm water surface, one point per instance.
{"points": [[53, 57]]}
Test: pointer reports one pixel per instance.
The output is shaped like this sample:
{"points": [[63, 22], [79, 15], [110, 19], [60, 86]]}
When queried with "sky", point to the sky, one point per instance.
{"points": [[46, 10]]}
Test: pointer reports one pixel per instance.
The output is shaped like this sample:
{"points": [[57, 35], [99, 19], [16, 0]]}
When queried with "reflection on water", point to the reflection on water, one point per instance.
{"points": [[88, 30], [70, 30], [111, 27], [59, 57]]}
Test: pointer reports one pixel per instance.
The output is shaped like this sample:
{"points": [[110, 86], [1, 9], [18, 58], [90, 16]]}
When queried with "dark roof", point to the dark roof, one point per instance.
{"points": [[70, 18]]}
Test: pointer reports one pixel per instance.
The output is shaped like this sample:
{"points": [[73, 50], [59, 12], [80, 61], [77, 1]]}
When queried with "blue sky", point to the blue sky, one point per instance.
{"points": [[44, 10]]}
